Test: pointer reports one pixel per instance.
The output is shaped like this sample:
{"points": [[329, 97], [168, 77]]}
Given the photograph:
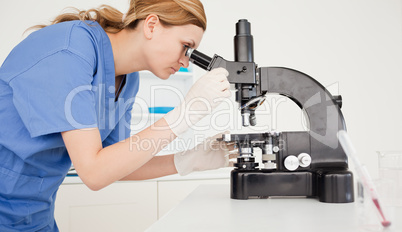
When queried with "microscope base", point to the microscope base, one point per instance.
{"points": [[331, 186]]}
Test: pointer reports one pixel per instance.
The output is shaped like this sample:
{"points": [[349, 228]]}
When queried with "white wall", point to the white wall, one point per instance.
{"points": [[352, 46]]}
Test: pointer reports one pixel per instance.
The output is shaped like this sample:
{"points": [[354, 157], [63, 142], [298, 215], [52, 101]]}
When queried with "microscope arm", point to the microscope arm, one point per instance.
{"points": [[323, 112], [321, 107]]}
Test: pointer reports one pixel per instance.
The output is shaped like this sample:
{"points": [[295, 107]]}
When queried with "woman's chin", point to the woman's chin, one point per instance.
{"points": [[164, 76]]}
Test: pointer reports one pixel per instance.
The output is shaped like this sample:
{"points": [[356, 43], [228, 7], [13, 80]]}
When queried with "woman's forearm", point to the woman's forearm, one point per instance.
{"points": [[98, 167], [157, 167]]}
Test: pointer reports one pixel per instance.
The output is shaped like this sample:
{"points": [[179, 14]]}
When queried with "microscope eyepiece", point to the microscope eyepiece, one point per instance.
{"points": [[243, 42], [243, 27], [189, 51], [198, 58]]}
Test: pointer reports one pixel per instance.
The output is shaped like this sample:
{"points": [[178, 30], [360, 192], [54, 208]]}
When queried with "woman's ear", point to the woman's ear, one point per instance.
{"points": [[150, 23]]}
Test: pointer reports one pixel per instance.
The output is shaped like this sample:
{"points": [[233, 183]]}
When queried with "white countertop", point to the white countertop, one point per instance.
{"points": [[209, 208]]}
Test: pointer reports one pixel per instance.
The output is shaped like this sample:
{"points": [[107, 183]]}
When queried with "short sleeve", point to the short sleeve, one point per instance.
{"points": [[122, 130], [55, 94]]}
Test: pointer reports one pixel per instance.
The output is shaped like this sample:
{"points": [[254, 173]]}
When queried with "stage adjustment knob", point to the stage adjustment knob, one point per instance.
{"points": [[304, 160], [291, 163]]}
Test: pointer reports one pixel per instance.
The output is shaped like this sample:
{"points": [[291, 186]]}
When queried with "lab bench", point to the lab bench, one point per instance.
{"points": [[210, 208]]}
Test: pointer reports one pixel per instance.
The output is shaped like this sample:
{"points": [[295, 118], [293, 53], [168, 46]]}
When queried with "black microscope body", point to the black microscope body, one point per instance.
{"points": [[297, 163]]}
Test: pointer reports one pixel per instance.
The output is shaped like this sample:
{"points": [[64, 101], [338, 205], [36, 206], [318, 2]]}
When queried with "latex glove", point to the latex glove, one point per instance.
{"points": [[211, 154], [203, 97]]}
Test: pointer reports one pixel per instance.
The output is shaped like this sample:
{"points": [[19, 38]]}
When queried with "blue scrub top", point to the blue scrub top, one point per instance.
{"points": [[59, 78]]}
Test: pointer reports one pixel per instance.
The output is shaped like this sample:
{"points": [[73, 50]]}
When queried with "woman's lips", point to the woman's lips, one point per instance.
{"points": [[173, 71]]}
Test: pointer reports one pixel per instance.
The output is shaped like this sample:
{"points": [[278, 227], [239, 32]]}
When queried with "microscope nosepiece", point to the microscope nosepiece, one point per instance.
{"points": [[253, 119], [246, 119]]}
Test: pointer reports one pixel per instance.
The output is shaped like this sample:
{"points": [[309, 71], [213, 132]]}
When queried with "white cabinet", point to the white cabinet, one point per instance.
{"points": [[126, 205], [122, 206]]}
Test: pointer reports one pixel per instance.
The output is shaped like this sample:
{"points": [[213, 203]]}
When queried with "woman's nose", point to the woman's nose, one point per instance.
{"points": [[184, 61]]}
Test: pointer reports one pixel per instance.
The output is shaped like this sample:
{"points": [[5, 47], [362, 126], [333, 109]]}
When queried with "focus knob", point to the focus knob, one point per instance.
{"points": [[291, 163], [304, 160]]}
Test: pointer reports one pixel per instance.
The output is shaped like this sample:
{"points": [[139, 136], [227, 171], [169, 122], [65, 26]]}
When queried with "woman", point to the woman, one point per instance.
{"points": [[66, 93]]}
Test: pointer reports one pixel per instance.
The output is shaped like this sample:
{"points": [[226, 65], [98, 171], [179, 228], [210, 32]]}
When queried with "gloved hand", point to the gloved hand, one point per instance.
{"points": [[211, 154], [203, 97]]}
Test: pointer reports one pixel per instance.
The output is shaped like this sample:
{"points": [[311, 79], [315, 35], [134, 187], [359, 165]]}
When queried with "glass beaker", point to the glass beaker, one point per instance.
{"points": [[390, 168]]}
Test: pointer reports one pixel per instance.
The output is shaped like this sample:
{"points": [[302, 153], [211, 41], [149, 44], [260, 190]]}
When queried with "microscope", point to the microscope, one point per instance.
{"points": [[295, 163]]}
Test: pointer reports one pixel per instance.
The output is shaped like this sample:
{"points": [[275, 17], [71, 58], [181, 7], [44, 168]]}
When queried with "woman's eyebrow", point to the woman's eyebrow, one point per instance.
{"points": [[192, 43]]}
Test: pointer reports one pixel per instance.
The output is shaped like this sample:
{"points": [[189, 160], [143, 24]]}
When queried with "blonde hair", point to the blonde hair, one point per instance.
{"points": [[170, 13]]}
